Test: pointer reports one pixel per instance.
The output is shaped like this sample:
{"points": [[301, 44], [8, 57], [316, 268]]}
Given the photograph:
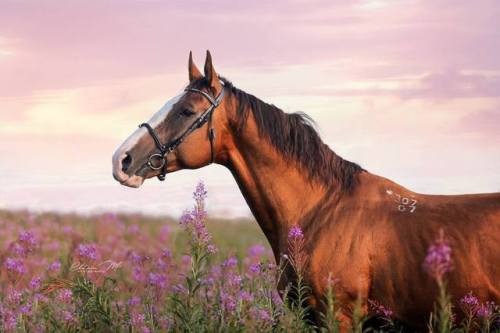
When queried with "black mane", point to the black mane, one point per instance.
{"points": [[294, 136]]}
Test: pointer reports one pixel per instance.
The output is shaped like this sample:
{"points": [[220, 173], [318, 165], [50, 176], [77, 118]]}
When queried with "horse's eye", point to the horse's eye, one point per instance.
{"points": [[187, 113]]}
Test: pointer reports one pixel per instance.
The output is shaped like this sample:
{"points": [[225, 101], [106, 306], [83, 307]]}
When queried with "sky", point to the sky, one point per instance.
{"points": [[410, 90]]}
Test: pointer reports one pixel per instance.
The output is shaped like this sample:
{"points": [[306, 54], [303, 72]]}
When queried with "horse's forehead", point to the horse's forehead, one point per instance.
{"points": [[139, 133], [159, 116]]}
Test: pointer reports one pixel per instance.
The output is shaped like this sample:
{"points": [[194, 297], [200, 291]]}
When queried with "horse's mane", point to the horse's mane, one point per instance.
{"points": [[295, 137]]}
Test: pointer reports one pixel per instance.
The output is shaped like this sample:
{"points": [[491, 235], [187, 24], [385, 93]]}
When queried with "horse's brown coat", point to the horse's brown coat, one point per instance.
{"points": [[371, 236]]}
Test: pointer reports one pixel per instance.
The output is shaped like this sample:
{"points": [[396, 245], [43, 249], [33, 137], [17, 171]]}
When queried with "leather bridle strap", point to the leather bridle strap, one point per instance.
{"points": [[165, 149]]}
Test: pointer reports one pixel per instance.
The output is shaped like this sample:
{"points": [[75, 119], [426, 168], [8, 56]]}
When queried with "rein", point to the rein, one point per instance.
{"points": [[157, 161]]}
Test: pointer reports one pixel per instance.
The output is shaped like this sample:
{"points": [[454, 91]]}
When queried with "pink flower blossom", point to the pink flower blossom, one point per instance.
{"points": [[15, 266], [54, 266], [65, 295], [469, 304], [438, 260], [35, 283], [380, 310], [28, 239], [229, 263], [256, 250], [133, 301], [87, 252], [14, 296], [486, 310], [295, 233], [157, 280]]}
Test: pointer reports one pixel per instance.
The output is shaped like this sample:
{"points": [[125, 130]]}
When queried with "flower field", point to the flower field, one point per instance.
{"points": [[112, 273]]}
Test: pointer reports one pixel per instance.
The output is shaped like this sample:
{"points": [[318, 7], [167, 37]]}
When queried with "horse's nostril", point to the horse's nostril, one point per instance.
{"points": [[126, 162]]}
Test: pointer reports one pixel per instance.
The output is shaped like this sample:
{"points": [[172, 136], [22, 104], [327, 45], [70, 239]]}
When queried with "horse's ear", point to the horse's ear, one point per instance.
{"points": [[210, 74], [194, 72]]}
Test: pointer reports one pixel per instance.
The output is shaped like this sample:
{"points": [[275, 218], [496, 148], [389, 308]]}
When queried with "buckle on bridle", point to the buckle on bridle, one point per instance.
{"points": [[155, 166]]}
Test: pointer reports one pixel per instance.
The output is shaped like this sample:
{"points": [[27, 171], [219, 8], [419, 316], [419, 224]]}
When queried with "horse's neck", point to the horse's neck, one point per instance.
{"points": [[278, 193]]}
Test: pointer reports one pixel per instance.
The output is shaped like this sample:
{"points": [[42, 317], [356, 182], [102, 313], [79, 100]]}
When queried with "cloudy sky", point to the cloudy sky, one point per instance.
{"points": [[408, 89]]}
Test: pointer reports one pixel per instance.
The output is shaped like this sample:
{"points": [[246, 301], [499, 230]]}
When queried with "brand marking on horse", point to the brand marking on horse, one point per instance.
{"points": [[405, 204]]}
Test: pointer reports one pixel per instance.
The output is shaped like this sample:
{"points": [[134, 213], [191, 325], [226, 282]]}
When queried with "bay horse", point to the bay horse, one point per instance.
{"points": [[368, 232]]}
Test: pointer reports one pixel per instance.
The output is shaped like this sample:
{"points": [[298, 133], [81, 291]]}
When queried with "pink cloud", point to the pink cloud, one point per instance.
{"points": [[444, 84], [485, 122], [80, 43]]}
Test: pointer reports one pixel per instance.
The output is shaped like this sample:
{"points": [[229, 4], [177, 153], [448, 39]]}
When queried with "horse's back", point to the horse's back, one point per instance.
{"points": [[375, 240], [407, 223], [473, 224]]}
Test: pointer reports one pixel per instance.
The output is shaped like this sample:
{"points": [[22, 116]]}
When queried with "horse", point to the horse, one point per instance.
{"points": [[368, 232]]}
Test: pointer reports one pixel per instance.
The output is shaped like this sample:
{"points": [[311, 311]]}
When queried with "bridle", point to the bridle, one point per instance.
{"points": [[157, 161]]}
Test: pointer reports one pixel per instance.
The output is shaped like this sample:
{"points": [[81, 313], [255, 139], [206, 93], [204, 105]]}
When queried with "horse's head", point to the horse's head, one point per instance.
{"points": [[181, 135]]}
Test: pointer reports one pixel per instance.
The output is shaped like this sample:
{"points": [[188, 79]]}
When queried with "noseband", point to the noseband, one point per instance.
{"points": [[157, 161]]}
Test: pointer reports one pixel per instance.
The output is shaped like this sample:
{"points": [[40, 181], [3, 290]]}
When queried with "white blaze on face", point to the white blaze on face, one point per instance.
{"points": [[134, 138], [160, 116]]}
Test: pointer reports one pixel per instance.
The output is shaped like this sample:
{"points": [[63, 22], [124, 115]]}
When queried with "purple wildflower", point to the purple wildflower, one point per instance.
{"points": [[186, 218], [228, 301], [41, 298], [486, 310], [276, 298], [67, 229], [261, 315], [135, 300], [380, 310], [26, 309], [65, 296], [234, 280], [180, 289], [194, 221], [186, 259], [67, 316], [110, 217], [14, 265], [157, 280], [137, 274], [166, 253], [18, 249], [160, 264], [469, 304], [138, 319], [54, 246], [35, 283], [256, 250], [212, 249], [164, 323], [135, 258], [200, 192], [55, 266], [255, 268], [87, 251], [264, 316], [297, 256], [134, 229], [164, 232], [209, 281], [28, 239], [10, 321], [14, 296], [295, 233], [231, 262], [246, 296], [438, 260]]}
